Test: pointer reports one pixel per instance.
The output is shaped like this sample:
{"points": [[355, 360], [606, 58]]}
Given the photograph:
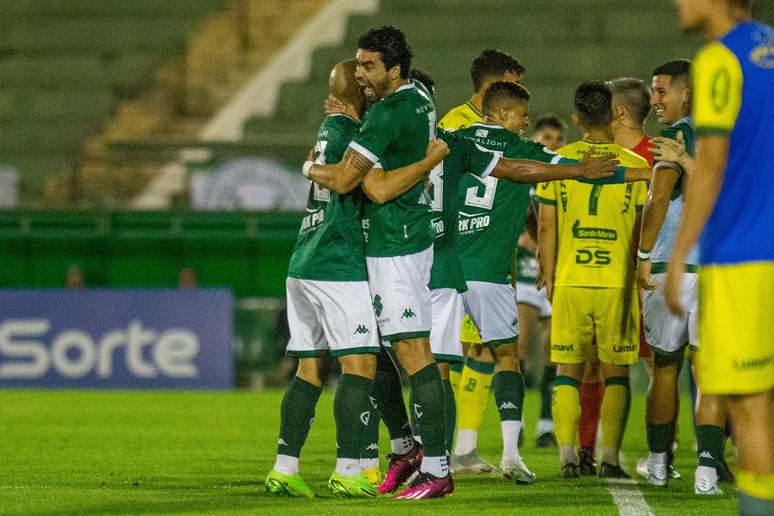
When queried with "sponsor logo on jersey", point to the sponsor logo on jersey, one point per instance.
{"points": [[593, 233], [361, 329], [508, 405], [624, 349], [483, 133], [473, 223], [408, 314], [562, 347], [754, 363], [592, 257], [378, 306], [313, 220]]}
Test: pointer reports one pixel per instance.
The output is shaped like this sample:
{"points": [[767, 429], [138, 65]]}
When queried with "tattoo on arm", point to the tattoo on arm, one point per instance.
{"points": [[357, 161]]}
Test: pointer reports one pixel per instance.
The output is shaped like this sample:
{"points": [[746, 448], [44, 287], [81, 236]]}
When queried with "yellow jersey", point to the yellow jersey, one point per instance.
{"points": [[595, 222], [461, 117]]}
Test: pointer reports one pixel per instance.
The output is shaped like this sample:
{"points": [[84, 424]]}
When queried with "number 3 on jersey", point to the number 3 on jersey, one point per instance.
{"points": [[486, 199], [320, 194], [436, 191]]}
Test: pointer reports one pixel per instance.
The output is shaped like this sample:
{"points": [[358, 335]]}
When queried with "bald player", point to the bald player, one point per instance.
{"points": [[329, 310]]}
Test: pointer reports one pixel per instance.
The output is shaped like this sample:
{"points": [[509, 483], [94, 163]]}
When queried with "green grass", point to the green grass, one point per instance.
{"points": [[90, 453]]}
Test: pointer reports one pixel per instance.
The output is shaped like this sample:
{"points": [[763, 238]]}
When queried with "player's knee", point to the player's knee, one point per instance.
{"points": [[359, 365]]}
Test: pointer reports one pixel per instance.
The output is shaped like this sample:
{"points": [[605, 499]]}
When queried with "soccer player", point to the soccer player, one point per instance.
{"points": [[399, 237], [490, 66], [729, 203], [329, 311], [631, 107], [593, 294]]}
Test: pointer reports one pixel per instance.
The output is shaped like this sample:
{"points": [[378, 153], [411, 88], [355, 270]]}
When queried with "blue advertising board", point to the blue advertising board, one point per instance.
{"points": [[117, 339]]}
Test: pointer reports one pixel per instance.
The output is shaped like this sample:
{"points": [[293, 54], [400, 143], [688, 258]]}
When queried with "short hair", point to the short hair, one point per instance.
{"points": [[502, 91], [391, 43], [594, 104], [493, 63], [424, 78], [678, 69], [635, 95], [552, 121]]}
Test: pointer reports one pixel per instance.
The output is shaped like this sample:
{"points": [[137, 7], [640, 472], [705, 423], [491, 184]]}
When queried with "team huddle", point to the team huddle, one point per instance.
{"points": [[443, 248]]}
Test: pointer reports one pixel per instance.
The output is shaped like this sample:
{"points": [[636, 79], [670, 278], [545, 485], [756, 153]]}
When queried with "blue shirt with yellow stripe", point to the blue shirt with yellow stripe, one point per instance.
{"points": [[733, 94]]}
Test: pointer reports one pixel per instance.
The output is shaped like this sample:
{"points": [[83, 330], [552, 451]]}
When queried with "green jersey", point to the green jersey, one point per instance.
{"points": [[689, 137], [395, 134], [464, 156], [492, 212], [330, 244]]}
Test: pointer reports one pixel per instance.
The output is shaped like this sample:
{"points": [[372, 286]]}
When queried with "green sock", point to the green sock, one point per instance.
{"points": [[296, 416], [371, 434], [508, 389], [547, 391], [428, 407], [710, 440], [450, 414], [457, 367], [388, 392], [659, 437], [352, 411]]}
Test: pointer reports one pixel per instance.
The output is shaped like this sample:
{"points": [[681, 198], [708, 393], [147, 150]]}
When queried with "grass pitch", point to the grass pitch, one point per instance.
{"points": [[90, 453]]}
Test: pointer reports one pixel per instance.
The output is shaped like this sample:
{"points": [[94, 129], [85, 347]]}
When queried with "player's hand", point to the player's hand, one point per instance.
{"points": [[436, 151], [643, 275], [597, 167], [334, 106], [673, 285], [667, 149]]}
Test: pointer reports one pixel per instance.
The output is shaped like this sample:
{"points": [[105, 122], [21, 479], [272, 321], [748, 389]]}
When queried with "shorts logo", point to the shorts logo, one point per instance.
{"points": [[754, 363], [378, 306], [408, 314], [365, 417], [562, 347], [624, 349], [515, 322], [373, 446], [361, 329]]}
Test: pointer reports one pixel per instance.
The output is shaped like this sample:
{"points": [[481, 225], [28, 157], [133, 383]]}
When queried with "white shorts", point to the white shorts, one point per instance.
{"points": [[400, 295], [492, 307], [664, 331], [448, 311], [528, 294], [333, 316]]}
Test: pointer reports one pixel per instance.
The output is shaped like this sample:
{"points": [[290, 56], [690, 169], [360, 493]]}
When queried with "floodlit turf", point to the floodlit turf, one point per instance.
{"points": [[91, 453]]}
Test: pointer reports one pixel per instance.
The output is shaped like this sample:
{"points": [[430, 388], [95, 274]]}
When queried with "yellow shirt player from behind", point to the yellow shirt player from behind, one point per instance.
{"points": [[585, 242]]}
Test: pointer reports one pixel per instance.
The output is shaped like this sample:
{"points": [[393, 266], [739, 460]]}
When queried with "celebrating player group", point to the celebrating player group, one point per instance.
{"points": [[443, 248]]}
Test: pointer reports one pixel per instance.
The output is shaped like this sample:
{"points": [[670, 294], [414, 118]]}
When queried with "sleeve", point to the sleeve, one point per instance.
{"points": [[376, 134], [539, 152], [717, 89], [480, 161], [671, 133], [546, 193]]}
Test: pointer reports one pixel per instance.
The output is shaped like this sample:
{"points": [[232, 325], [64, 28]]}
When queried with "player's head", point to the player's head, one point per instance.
{"points": [[551, 131], [631, 102], [425, 79], [344, 86], [492, 66], [507, 104], [696, 14], [593, 105], [671, 98], [383, 58]]}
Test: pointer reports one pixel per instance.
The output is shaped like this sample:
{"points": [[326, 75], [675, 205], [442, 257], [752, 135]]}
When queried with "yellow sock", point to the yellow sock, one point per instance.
{"points": [[455, 377], [566, 410], [475, 386], [758, 486], [615, 411]]}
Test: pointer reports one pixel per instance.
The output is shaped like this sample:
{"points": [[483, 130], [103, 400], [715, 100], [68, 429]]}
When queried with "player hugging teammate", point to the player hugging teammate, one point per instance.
{"points": [[412, 227]]}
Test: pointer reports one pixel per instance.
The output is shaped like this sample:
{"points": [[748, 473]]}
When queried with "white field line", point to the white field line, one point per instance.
{"points": [[628, 497]]}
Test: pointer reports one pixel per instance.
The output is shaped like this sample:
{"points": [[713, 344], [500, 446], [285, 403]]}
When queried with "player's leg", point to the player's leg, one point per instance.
{"points": [[529, 329], [662, 411], [545, 428], [572, 331], [592, 390]]}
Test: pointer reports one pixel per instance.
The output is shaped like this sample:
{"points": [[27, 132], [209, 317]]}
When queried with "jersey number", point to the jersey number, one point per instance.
{"points": [[485, 201], [320, 194], [436, 179], [596, 190]]}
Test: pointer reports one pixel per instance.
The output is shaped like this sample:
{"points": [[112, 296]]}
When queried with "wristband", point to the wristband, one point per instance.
{"points": [[306, 168], [643, 256]]}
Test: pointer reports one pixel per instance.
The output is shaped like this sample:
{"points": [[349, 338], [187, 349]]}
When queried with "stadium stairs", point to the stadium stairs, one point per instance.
{"points": [[76, 74], [562, 44]]}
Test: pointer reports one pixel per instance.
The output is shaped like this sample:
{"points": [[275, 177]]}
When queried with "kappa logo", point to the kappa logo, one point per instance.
{"points": [[483, 133], [361, 329], [515, 322], [282, 442], [378, 306], [508, 405], [373, 402], [365, 417], [416, 410], [373, 446], [408, 314], [706, 455]]}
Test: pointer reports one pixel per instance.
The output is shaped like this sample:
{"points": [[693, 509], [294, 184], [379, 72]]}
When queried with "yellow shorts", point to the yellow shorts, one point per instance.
{"points": [[736, 328], [469, 332], [583, 313]]}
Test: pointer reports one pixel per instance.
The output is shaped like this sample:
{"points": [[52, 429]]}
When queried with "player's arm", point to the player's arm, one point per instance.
{"points": [[381, 186], [547, 246], [673, 151], [653, 214], [344, 175]]}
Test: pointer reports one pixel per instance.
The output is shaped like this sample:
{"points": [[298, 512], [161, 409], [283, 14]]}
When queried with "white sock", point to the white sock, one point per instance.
{"points": [[545, 426], [466, 441], [568, 455], [348, 467], [401, 446], [366, 464], [436, 466], [511, 431], [286, 465], [610, 455]]}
